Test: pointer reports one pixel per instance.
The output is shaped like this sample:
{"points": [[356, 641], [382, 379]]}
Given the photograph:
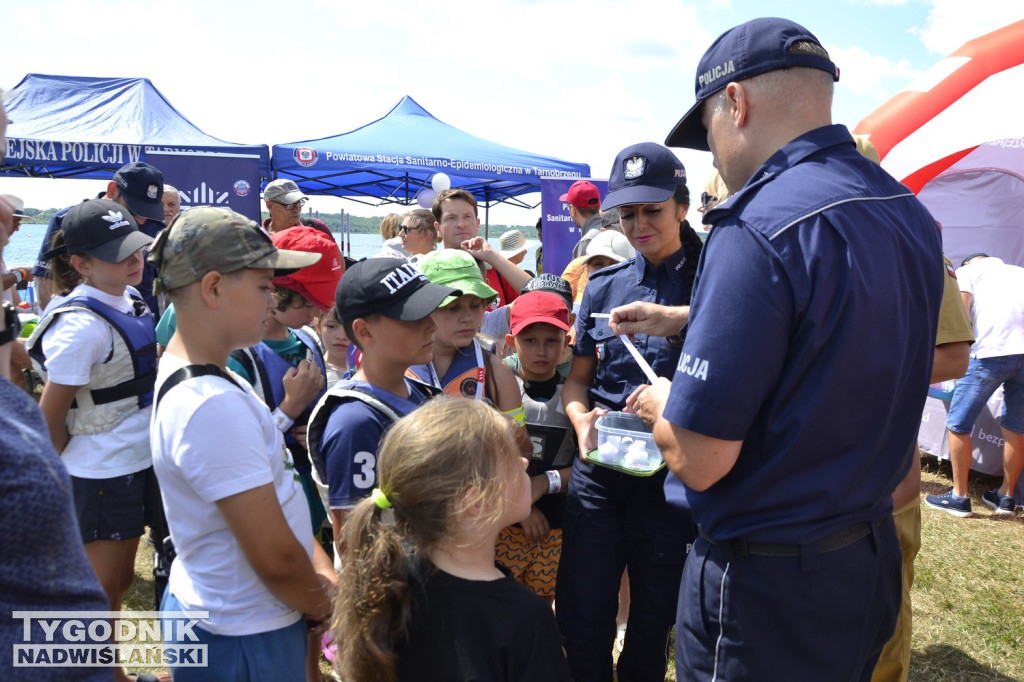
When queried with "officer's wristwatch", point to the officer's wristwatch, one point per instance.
{"points": [[675, 341], [12, 322]]}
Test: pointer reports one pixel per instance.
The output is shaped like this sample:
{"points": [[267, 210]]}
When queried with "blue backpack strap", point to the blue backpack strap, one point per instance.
{"points": [[254, 367], [318, 358], [313, 347]]}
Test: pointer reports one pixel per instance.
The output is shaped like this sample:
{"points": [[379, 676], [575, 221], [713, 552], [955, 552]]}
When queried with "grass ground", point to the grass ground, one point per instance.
{"points": [[969, 589], [968, 593]]}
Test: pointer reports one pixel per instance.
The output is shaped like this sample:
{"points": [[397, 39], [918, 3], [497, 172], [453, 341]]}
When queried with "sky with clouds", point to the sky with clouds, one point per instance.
{"points": [[574, 79]]}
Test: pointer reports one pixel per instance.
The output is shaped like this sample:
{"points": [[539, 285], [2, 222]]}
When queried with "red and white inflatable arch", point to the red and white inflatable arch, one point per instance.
{"points": [[971, 97], [956, 138]]}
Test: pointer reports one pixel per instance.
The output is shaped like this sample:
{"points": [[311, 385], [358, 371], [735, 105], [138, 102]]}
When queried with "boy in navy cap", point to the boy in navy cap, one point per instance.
{"points": [[385, 306], [794, 407]]}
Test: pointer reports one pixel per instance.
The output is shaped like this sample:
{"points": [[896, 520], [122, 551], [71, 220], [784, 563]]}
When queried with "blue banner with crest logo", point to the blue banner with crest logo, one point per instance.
{"points": [[224, 180], [560, 233]]}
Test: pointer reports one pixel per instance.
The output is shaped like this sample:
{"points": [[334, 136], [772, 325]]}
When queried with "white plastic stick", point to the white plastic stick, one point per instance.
{"points": [[648, 372]]}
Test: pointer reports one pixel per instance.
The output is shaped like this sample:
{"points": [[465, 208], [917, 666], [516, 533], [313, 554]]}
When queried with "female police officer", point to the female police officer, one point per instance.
{"points": [[616, 520]]}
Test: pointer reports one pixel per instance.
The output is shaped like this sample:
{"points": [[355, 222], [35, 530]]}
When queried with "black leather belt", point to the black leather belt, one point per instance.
{"points": [[829, 543]]}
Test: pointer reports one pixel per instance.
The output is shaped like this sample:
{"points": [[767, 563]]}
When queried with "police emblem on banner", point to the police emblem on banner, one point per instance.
{"points": [[306, 156], [241, 188]]}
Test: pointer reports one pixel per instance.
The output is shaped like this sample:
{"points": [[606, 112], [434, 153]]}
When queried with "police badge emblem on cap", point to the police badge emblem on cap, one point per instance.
{"points": [[633, 168]]}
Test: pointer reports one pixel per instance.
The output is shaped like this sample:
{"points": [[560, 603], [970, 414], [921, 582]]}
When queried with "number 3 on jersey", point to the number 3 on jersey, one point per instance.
{"points": [[364, 470]]}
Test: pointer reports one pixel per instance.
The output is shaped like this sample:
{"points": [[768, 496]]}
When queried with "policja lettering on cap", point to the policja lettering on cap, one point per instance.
{"points": [[748, 50]]}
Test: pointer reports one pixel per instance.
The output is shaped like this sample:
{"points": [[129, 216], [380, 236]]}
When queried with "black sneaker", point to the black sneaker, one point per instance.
{"points": [[1000, 504], [951, 504]]}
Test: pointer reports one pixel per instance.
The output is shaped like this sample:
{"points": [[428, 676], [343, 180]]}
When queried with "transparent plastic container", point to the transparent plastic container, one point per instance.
{"points": [[624, 443]]}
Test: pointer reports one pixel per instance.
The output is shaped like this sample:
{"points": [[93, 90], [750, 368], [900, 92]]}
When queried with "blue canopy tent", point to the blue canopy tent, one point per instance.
{"points": [[391, 159], [79, 127]]}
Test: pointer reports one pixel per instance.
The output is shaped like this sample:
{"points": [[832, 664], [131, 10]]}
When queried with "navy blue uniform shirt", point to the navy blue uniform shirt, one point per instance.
{"points": [[617, 373], [811, 337], [42, 266]]}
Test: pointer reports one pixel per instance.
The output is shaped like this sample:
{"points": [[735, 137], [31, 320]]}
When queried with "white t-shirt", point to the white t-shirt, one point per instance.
{"points": [[212, 440], [997, 306], [75, 342]]}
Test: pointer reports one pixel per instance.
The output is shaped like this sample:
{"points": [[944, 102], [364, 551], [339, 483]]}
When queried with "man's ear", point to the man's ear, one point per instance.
{"points": [[736, 99], [509, 341]]}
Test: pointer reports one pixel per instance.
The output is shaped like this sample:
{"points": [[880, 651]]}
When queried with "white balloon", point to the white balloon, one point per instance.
{"points": [[425, 198], [440, 182]]}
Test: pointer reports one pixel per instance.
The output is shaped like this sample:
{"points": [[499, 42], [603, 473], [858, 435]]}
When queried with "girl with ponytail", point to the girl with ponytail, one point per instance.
{"points": [[421, 594]]}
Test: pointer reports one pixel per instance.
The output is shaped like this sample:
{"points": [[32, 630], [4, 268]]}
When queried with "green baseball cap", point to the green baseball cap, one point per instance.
{"points": [[459, 270], [205, 239]]}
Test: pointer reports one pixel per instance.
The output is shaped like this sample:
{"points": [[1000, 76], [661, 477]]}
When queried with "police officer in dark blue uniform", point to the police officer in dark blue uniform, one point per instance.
{"points": [[616, 520], [796, 400]]}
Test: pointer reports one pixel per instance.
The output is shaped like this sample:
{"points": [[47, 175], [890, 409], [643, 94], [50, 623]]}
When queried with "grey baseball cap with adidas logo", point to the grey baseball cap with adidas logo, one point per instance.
{"points": [[206, 239]]}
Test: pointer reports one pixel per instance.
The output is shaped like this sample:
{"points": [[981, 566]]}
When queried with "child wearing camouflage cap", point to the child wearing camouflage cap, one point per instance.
{"points": [[236, 510]]}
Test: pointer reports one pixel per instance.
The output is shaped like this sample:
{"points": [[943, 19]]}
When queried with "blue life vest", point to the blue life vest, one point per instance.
{"points": [[123, 383]]}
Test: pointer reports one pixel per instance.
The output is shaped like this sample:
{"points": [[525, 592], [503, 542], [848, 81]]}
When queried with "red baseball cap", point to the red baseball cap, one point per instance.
{"points": [[582, 194], [316, 282], [538, 306]]}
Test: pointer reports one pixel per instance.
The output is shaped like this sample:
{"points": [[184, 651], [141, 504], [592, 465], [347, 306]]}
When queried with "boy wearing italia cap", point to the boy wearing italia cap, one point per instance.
{"points": [[385, 306], [236, 511]]}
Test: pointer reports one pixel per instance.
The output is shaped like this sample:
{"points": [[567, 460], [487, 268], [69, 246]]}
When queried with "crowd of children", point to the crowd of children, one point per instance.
{"points": [[297, 400]]}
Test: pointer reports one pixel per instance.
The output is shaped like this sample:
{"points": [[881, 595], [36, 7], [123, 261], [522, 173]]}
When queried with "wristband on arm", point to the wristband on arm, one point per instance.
{"points": [[518, 415], [554, 482], [283, 421]]}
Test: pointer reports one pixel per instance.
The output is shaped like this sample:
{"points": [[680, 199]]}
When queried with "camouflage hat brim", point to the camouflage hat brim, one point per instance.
{"points": [[205, 239]]}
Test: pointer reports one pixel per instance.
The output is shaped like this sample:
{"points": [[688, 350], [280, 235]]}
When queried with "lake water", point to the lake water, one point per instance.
{"points": [[24, 247]]}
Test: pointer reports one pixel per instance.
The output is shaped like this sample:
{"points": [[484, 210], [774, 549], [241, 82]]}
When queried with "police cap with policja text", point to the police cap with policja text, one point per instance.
{"points": [[742, 52]]}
